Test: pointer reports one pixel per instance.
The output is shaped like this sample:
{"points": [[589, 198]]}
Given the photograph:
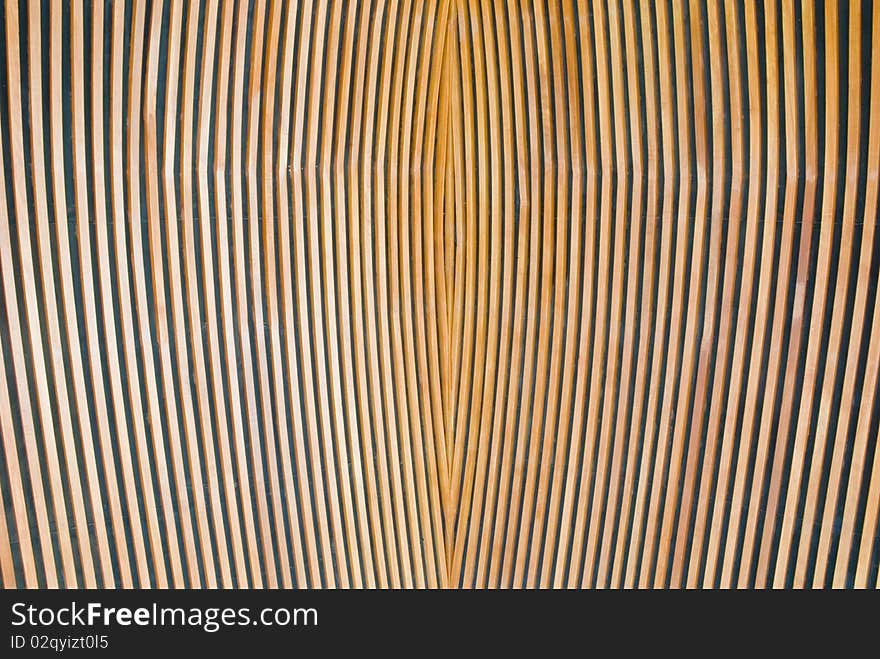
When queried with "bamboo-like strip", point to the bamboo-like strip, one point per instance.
{"points": [[648, 266], [227, 286], [10, 446], [102, 247], [823, 264], [220, 406]]}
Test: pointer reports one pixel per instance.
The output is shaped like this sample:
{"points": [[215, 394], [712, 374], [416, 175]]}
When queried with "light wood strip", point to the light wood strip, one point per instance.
{"points": [[227, 288], [102, 247], [213, 397], [811, 368]]}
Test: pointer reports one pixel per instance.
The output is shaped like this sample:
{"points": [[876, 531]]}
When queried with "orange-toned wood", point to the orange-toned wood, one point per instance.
{"points": [[456, 293]]}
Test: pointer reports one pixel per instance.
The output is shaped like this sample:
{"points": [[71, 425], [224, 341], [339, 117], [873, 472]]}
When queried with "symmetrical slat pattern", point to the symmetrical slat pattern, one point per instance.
{"points": [[442, 293]]}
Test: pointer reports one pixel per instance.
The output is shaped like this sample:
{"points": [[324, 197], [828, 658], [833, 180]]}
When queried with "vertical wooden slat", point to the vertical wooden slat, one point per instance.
{"points": [[228, 286]]}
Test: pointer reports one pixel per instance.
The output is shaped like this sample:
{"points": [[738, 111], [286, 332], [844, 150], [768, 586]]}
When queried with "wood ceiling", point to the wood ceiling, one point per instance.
{"points": [[449, 293]]}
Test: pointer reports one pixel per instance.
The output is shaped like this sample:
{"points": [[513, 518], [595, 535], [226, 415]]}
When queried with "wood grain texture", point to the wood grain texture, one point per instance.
{"points": [[439, 294]]}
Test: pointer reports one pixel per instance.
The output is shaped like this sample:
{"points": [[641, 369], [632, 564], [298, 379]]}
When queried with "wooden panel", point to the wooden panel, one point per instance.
{"points": [[454, 293]]}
